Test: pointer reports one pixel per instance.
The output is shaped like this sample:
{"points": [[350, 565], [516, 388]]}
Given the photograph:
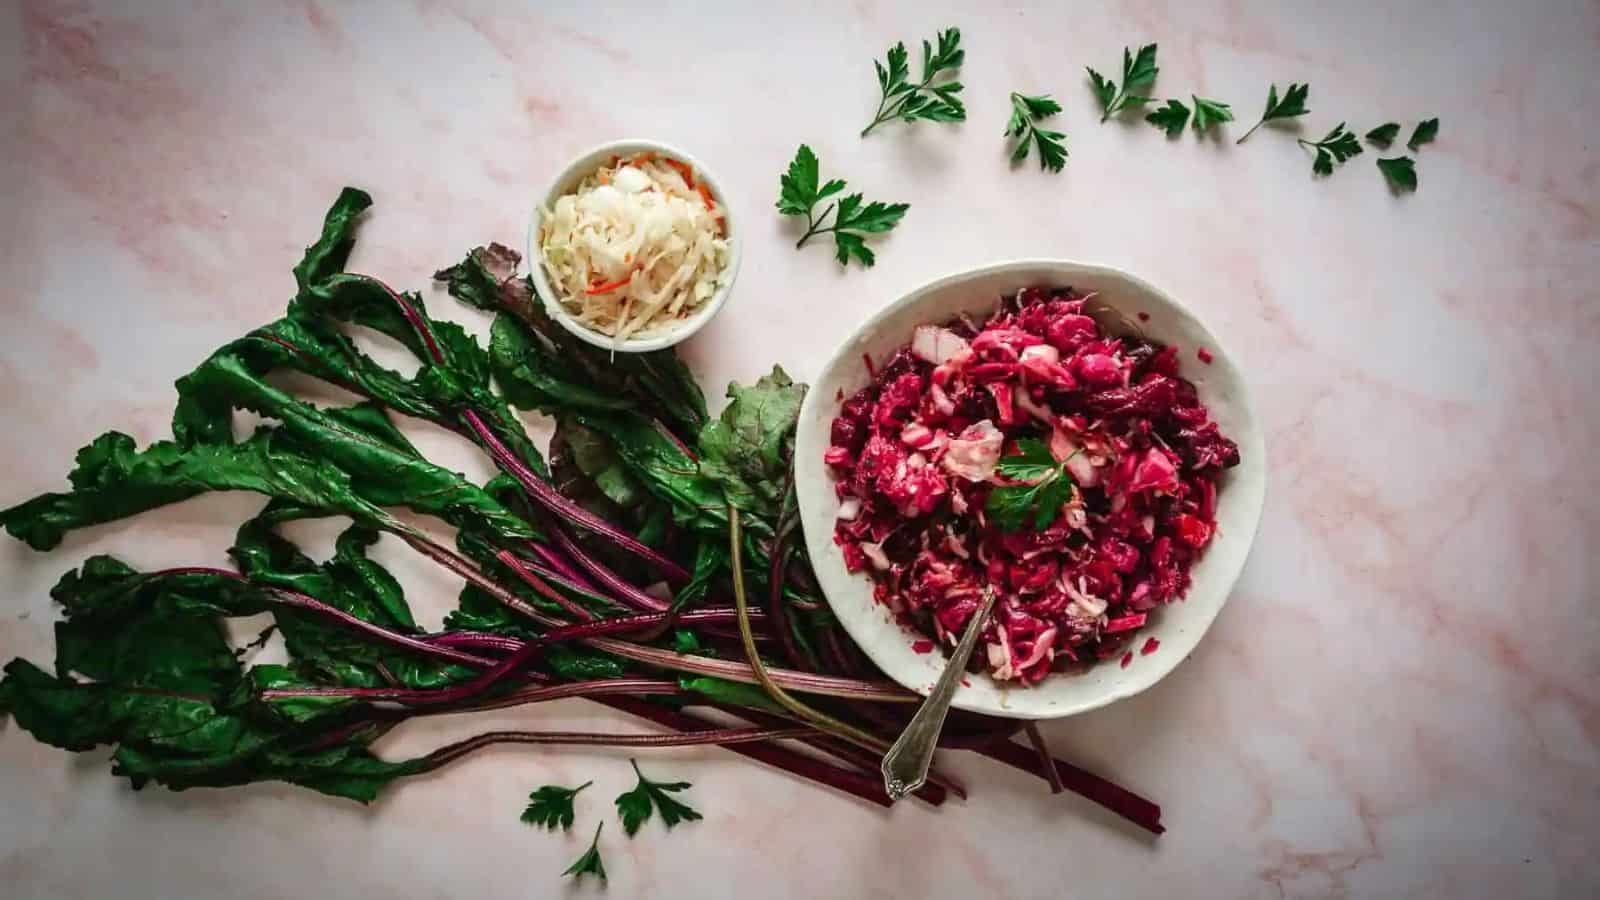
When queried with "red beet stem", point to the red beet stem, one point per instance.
{"points": [[547, 496], [869, 789], [510, 561], [723, 736], [619, 586], [1119, 800]]}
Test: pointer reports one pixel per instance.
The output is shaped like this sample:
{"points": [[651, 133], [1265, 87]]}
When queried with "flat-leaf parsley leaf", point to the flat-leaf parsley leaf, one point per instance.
{"points": [[1042, 486], [1138, 74], [1384, 134], [799, 193], [1336, 147], [1426, 131], [1171, 117], [551, 806], [635, 805], [1026, 112], [923, 100], [589, 863], [1292, 104], [1401, 173], [1209, 112]]}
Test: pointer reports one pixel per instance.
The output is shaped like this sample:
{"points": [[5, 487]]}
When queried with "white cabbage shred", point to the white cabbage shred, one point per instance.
{"points": [[636, 248]]}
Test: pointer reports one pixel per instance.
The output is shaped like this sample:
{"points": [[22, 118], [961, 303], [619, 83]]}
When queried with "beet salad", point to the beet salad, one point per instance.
{"points": [[1034, 454]]}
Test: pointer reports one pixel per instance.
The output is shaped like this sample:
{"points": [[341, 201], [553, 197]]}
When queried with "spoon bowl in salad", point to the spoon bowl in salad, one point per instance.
{"points": [[1120, 304], [559, 281]]}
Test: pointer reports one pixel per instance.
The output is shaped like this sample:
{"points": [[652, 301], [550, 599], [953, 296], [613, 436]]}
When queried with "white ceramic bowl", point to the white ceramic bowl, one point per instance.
{"points": [[567, 181], [1179, 626]]}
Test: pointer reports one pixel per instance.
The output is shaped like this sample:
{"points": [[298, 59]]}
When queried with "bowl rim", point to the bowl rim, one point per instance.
{"points": [[1252, 445], [557, 187]]}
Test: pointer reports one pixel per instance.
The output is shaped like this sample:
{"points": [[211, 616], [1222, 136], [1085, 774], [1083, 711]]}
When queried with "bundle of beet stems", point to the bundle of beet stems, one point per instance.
{"points": [[651, 564]]}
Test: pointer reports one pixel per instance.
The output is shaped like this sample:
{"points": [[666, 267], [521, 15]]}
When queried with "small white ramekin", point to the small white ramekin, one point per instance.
{"points": [[565, 183]]}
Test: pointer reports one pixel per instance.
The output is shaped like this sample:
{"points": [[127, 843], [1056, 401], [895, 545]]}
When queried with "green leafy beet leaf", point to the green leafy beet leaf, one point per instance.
{"points": [[330, 251], [593, 455], [747, 450], [720, 690], [378, 473], [636, 805], [541, 366], [533, 379], [352, 583], [551, 807], [107, 589], [582, 665], [114, 480], [664, 469], [710, 560]]}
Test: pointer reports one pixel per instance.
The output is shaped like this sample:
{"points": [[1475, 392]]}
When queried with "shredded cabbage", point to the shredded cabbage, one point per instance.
{"points": [[636, 248]]}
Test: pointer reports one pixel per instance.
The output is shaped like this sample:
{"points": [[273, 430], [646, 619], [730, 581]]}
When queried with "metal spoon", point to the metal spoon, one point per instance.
{"points": [[905, 766]]}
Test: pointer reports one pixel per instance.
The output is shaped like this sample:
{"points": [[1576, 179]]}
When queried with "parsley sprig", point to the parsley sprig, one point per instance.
{"points": [[799, 194], [589, 863], [1292, 104], [1138, 74], [1401, 173], [551, 806], [1042, 487], [1026, 112], [1337, 146], [1425, 132], [1209, 112], [1383, 135], [923, 100], [1171, 117], [635, 805]]}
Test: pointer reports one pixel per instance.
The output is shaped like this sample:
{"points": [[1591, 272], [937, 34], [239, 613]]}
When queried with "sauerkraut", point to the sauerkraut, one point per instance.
{"points": [[638, 246]]}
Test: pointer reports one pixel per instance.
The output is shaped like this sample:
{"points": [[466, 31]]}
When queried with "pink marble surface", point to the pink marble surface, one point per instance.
{"points": [[1401, 699]]}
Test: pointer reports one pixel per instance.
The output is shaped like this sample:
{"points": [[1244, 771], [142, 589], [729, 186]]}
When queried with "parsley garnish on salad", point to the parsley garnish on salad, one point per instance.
{"points": [[1042, 487]]}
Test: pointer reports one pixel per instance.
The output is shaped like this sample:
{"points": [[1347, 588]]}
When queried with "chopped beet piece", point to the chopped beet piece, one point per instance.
{"points": [[1151, 645], [922, 646], [1204, 354]]}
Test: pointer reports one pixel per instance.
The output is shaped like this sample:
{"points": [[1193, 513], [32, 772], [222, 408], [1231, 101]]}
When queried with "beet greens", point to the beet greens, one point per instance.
{"points": [[605, 572]]}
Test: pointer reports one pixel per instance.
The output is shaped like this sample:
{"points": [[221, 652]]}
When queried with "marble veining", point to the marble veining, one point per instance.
{"points": [[1399, 701]]}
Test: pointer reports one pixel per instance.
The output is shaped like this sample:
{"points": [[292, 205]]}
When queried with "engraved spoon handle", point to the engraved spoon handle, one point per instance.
{"points": [[905, 766]]}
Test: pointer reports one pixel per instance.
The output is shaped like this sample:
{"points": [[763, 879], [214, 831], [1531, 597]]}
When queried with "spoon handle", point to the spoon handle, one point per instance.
{"points": [[905, 766]]}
